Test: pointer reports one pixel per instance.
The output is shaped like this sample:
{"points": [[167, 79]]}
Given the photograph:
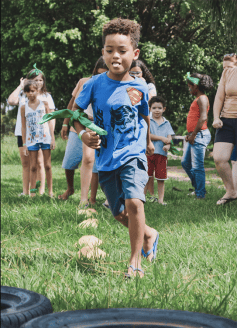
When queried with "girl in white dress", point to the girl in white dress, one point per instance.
{"points": [[36, 136], [17, 97]]}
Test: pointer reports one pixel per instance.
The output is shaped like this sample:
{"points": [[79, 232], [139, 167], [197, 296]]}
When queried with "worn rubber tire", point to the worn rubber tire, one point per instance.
{"points": [[20, 305], [139, 318]]}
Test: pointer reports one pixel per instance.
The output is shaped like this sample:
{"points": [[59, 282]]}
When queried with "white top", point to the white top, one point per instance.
{"points": [[22, 100], [36, 133]]}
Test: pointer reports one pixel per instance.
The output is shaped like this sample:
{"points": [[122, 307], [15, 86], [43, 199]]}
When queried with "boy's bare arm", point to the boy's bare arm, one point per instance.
{"points": [[150, 147], [90, 138], [167, 140]]}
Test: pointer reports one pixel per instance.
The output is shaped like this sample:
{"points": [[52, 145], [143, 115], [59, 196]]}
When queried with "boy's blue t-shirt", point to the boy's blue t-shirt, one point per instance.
{"points": [[116, 107], [163, 130]]}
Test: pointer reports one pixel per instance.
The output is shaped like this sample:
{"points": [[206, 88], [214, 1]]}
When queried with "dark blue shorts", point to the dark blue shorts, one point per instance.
{"points": [[126, 182], [228, 132]]}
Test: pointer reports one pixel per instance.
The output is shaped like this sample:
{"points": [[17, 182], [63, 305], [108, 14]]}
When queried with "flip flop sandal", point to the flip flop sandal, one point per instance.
{"points": [[154, 249], [226, 200], [128, 276]]}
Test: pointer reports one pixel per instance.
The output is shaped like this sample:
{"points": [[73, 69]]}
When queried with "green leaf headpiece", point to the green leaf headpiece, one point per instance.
{"points": [[195, 80], [36, 71]]}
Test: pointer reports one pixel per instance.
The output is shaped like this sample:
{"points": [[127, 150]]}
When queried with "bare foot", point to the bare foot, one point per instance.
{"points": [[65, 195], [148, 244]]}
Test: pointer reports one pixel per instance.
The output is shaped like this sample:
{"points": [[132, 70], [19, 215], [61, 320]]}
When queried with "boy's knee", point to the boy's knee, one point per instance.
{"points": [[133, 205], [121, 217]]}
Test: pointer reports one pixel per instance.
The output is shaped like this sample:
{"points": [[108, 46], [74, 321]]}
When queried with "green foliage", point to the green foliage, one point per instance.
{"points": [[64, 39]]}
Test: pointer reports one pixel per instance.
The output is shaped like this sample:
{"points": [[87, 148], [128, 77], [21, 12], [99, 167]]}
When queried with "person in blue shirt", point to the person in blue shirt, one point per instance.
{"points": [[161, 136], [120, 106]]}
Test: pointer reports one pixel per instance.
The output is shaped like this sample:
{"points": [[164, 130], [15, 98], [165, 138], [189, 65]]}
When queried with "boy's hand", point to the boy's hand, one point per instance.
{"points": [[25, 151], [150, 149], [166, 140], [52, 145], [166, 147], [64, 132], [91, 139]]}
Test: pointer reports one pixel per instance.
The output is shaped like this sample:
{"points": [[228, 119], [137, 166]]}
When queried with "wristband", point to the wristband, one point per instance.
{"points": [[65, 125], [81, 133], [24, 144]]}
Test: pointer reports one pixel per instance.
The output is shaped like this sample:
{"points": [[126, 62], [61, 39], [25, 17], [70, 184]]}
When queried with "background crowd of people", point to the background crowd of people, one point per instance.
{"points": [[35, 141]]}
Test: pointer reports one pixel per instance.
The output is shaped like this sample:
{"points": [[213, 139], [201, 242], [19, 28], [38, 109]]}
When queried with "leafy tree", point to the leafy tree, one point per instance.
{"points": [[64, 38]]}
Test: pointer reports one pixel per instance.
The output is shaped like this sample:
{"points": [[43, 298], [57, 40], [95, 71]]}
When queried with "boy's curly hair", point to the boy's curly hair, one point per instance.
{"points": [[158, 99], [122, 26], [205, 83], [29, 83]]}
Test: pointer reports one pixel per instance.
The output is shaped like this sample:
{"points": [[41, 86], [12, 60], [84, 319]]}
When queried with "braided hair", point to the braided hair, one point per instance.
{"points": [[205, 83]]}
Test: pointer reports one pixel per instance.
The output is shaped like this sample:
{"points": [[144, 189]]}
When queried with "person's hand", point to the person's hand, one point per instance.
{"points": [[190, 139], [150, 149], [64, 132], [166, 140], [25, 151], [22, 81], [166, 147], [91, 139], [217, 123], [52, 144]]}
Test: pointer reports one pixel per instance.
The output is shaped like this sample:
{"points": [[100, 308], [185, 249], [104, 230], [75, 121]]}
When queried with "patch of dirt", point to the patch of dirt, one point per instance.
{"points": [[178, 173]]}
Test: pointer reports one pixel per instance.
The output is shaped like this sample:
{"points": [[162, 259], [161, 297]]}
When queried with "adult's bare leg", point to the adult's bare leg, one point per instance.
{"points": [[221, 154]]}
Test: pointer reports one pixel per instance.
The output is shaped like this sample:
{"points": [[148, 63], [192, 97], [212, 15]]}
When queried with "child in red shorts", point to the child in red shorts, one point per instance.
{"points": [[161, 135]]}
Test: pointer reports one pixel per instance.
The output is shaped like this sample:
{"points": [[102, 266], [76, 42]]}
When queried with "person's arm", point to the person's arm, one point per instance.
{"points": [[23, 130], [218, 105], [150, 147], [66, 121], [167, 140], [167, 146], [90, 138], [203, 104], [51, 126], [13, 99]]}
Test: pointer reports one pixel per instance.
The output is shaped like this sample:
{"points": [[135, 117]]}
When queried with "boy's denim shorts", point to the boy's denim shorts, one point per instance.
{"points": [[39, 146], [126, 182], [73, 153]]}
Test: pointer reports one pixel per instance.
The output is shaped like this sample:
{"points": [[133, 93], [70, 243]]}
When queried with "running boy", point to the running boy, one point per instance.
{"points": [[161, 136], [120, 106]]}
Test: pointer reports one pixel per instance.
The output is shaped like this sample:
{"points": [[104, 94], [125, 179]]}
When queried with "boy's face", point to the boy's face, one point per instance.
{"points": [[118, 55], [157, 109], [32, 93]]}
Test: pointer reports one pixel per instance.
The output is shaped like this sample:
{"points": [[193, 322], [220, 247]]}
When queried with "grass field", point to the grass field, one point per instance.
{"points": [[195, 269]]}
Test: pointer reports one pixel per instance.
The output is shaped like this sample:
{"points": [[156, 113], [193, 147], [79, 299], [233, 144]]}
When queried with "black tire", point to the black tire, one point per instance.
{"points": [[20, 305], [128, 318]]}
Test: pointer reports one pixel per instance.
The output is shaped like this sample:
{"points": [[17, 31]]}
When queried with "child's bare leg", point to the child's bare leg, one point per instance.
{"points": [[147, 187], [33, 169], [94, 187], [48, 170], [161, 190], [136, 226], [70, 185], [25, 161], [86, 172], [41, 172], [150, 185], [149, 233]]}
